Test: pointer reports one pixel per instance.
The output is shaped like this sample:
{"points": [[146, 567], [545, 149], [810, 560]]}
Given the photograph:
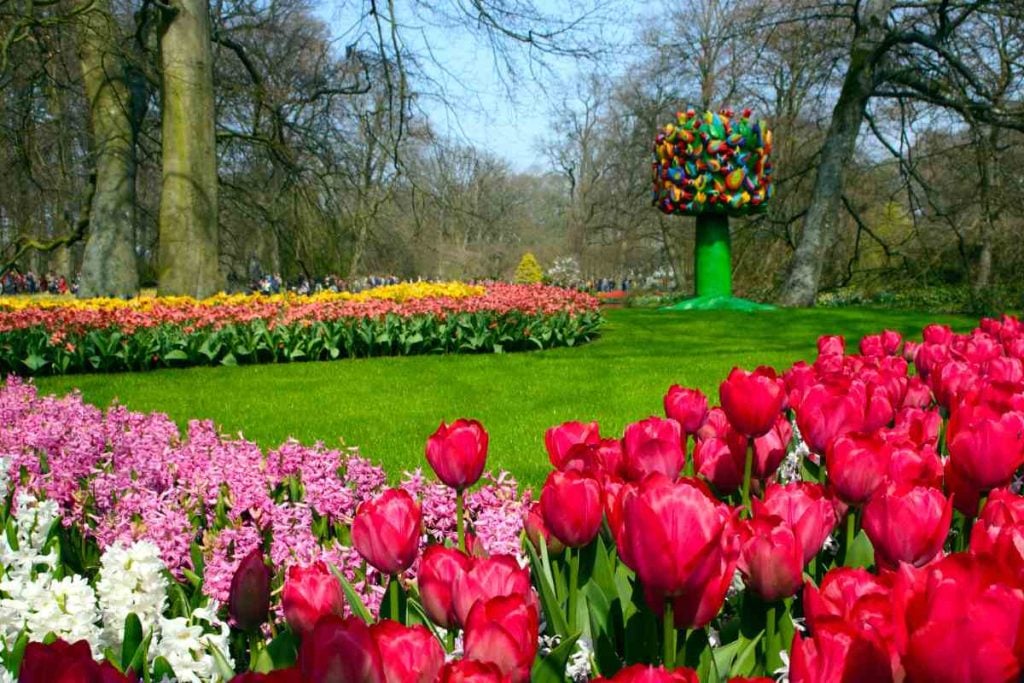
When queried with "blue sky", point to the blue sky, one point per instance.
{"points": [[510, 118]]}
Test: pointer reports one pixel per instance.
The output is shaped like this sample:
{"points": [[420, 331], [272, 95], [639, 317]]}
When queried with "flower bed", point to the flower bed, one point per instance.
{"points": [[59, 336], [854, 519]]}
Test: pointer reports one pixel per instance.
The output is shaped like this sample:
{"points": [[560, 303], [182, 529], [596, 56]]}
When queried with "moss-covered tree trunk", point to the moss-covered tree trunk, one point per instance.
{"points": [[108, 265], [189, 240]]}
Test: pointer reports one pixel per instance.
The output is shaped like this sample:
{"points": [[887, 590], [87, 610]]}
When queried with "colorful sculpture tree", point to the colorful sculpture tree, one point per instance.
{"points": [[712, 167]]}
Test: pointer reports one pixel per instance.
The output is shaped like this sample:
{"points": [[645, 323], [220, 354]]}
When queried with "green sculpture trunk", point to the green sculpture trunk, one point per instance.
{"points": [[712, 261]]}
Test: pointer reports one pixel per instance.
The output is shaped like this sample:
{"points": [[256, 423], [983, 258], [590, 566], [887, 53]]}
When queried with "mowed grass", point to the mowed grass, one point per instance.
{"points": [[388, 406]]}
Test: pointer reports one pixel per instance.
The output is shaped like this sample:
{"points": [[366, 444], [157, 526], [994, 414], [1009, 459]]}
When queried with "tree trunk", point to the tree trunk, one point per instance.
{"points": [[108, 264], [985, 140], [189, 239], [804, 280]]}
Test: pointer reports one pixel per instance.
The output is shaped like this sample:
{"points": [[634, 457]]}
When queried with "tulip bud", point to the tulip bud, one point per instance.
{"points": [[537, 532], [490, 578], [470, 671], [439, 573], [752, 400], [907, 524], [559, 440], [653, 445], [340, 650], [838, 652], [457, 453], [772, 558], [571, 506], [503, 631], [409, 654], [310, 593], [249, 597], [688, 407], [62, 661], [386, 531]]}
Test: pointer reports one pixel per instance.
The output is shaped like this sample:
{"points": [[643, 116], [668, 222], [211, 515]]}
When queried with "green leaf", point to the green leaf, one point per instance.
{"points": [[548, 601], [162, 670], [551, 669], [35, 362], [862, 553], [175, 354], [132, 638], [355, 602]]}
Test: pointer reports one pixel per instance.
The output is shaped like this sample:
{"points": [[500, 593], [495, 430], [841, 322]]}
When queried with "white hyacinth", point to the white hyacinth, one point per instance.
{"points": [[188, 648], [66, 608], [5, 490], [6, 676], [33, 521], [131, 580]]}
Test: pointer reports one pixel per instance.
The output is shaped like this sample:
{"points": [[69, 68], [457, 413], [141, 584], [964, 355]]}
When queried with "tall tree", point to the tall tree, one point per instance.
{"points": [[189, 234], [801, 286], [108, 264]]}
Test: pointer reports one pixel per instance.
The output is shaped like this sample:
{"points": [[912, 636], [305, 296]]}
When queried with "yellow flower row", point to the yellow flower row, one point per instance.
{"points": [[398, 293]]}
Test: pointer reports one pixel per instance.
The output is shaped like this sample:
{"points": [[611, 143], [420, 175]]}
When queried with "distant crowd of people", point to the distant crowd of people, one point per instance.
{"points": [[606, 284], [29, 282], [273, 283]]}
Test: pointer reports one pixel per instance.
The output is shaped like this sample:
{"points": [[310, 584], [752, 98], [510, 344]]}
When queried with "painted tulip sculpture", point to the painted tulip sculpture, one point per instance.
{"points": [[847, 520]]}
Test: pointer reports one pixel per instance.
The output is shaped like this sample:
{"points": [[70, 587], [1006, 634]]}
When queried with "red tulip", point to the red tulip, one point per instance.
{"points": [[915, 465], [611, 457], [560, 440], [386, 531], [644, 673], [920, 426], [772, 559], [682, 545], [409, 654], [537, 532], [688, 407], [571, 505], [752, 400], [249, 595], [828, 412], [919, 394], [986, 448], [857, 465], [907, 524], [838, 653], [457, 453], [770, 449], [63, 662], [469, 671], [503, 631], [491, 578], [955, 601], [441, 569], [855, 597], [721, 460], [653, 445], [339, 651], [309, 593], [998, 534], [806, 508], [831, 345]]}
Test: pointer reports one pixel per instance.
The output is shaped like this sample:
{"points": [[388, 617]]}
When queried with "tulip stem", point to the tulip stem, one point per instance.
{"points": [[770, 646], [688, 464], [669, 637], [393, 598], [574, 578], [748, 467], [851, 534], [459, 513]]}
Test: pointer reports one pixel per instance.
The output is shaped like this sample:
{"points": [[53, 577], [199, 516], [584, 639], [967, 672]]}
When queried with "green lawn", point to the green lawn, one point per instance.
{"points": [[388, 406]]}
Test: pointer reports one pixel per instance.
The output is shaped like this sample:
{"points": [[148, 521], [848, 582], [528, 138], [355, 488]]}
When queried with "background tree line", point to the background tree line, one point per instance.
{"points": [[191, 143]]}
